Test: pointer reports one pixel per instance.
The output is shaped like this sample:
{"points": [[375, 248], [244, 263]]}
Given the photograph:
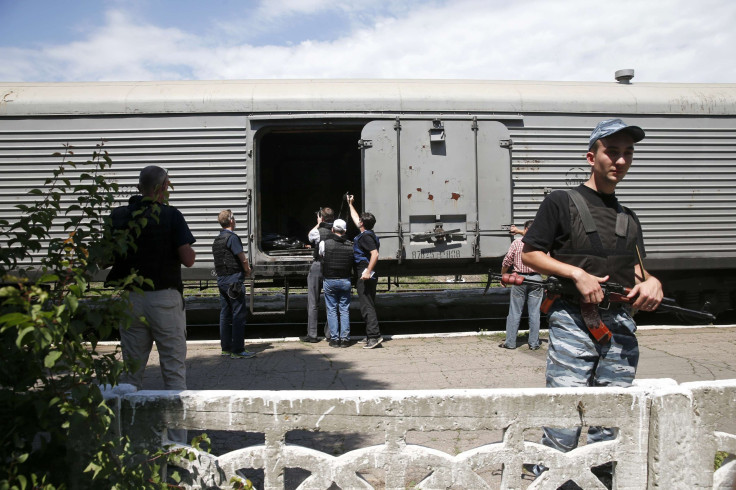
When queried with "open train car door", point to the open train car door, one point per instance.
{"points": [[440, 189]]}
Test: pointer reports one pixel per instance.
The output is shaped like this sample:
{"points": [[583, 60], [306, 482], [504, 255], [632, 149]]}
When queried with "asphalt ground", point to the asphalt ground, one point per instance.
{"points": [[435, 361]]}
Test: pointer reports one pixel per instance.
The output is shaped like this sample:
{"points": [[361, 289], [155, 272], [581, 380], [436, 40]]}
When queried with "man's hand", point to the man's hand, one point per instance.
{"points": [[589, 286], [350, 199], [365, 275], [649, 293]]}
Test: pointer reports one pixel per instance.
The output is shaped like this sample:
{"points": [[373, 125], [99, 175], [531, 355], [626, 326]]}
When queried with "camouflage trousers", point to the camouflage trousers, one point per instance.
{"points": [[575, 359]]}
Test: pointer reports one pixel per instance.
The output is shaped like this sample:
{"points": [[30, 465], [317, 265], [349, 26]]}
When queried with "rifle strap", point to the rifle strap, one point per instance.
{"points": [[593, 322]]}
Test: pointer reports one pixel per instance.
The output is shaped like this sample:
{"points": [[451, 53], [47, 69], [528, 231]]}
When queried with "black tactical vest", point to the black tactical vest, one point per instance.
{"points": [[155, 256], [226, 263], [338, 260], [602, 241], [324, 229]]}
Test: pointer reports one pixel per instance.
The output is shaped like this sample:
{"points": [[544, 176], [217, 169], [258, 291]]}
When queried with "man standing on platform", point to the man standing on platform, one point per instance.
{"points": [[318, 234], [365, 247], [525, 292], [231, 266]]}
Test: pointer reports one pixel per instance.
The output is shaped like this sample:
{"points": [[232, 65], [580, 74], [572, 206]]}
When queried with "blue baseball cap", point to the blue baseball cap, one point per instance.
{"points": [[612, 126]]}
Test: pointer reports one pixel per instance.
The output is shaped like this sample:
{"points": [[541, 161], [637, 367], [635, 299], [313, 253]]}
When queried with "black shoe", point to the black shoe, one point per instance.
{"points": [[334, 343], [373, 343], [345, 343], [504, 346], [536, 347], [311, 340]]}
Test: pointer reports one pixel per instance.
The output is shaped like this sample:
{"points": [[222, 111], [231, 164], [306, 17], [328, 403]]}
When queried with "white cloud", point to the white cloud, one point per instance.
{"points": [[676, 41]]}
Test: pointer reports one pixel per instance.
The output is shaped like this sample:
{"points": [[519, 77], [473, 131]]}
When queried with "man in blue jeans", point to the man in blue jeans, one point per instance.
{"points": [[231, 266], [337, 266], [525, 292]]}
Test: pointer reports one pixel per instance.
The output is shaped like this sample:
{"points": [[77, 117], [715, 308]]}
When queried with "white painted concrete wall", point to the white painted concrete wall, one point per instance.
{"points": [[668, 434]]}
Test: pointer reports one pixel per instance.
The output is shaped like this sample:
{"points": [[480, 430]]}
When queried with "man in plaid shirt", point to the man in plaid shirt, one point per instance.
{"points": [[530, 294]]}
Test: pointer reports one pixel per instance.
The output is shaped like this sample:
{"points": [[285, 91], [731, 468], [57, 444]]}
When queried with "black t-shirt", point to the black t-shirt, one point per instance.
{"points": [[367, 243], [551, 227]]}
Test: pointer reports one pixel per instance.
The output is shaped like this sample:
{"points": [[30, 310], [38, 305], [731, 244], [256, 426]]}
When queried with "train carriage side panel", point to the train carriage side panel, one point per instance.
{"points": [[204, 154], [682, 186]]}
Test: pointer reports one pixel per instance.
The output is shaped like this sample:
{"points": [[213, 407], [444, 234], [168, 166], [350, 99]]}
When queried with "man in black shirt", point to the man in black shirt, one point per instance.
{"points": [[365, 247], [164, 244], [591, 239]]}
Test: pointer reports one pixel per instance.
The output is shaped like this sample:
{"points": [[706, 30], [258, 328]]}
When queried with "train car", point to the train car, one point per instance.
{"points": [[445, 165]]}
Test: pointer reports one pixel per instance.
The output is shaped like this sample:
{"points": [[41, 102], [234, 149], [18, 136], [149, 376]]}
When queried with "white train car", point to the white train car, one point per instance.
{"points": [[444, 165]]}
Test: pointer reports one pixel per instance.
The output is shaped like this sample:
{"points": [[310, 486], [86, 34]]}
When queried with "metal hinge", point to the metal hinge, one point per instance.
{"points": [[506, 143], [362, 144]]}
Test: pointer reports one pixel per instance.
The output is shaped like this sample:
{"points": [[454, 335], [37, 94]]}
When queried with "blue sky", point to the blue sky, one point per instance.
{"points": [[91, 40]]}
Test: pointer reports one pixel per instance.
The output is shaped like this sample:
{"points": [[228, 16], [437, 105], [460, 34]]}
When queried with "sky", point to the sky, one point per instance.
{"points": [[566, 40]]}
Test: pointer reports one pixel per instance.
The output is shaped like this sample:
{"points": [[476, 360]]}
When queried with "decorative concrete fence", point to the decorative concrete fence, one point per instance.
{"points": [[667, 435]]}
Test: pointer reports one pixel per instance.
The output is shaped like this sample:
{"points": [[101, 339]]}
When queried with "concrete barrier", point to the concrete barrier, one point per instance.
{"points": [[667, 435]]}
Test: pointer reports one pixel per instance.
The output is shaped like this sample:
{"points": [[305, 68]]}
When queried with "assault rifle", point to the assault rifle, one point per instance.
{"points": [[612, 292]]}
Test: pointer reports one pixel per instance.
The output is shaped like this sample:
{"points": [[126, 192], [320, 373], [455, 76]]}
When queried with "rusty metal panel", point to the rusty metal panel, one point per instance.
{"points": [[682, 184], [444, 184], [494, 187], [205, 156], [381, 183]]}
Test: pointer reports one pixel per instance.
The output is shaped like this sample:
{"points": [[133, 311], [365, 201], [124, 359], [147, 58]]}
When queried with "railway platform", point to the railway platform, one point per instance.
{"points": [[436, 361]]}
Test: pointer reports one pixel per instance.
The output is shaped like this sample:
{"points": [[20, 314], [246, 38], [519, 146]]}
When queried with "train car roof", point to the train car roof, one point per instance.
{"points": [[359, 96]]}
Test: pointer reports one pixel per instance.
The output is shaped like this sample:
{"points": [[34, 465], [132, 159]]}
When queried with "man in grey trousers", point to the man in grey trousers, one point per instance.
{"points": [[325, 217]]}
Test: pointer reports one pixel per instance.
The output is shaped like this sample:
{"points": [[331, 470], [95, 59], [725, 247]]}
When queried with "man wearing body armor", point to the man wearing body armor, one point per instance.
{"points": [[325, 217], [591, 238], [337, 267], [231, 266]]}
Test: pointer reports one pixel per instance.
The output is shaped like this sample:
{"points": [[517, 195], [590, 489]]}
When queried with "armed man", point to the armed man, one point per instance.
{"points": [[592, 239]]}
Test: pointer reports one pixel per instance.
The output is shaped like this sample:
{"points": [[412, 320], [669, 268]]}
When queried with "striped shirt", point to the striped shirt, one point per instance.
{"points": [[513, 257]]}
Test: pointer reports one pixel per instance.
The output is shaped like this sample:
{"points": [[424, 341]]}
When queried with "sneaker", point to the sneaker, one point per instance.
{"points": [[242, 355], [536, 347], [311, 340], [344, 343], [225, 353], [373, 343], [334, 343], [504, 346]]}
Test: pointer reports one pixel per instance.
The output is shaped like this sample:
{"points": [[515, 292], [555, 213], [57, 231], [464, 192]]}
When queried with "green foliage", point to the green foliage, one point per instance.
{"points": [[721, 458], [54, 425]]}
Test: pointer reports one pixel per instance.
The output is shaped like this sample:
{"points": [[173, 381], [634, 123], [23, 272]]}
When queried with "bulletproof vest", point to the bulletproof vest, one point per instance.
{"points": [[226, 263], [360, 255], [338, 260], [155, 256], [602, 241], [324, 230]]}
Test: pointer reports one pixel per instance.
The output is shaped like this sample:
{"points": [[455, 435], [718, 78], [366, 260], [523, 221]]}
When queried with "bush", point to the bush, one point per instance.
{"points": [[54, 426]]}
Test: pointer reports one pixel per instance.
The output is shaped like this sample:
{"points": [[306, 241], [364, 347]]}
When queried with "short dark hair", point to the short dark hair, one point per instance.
{"points": [[528, 223], [328, 214], [595, 146], [151, 178], [369, 221]]}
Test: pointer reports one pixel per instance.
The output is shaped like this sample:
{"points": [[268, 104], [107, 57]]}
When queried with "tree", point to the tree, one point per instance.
{"points": [[54, 425]]}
